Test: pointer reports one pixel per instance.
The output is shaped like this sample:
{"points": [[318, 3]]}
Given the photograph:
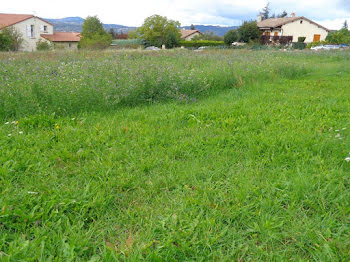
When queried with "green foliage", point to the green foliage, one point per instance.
{"points": [[231, 36], [201, 43], [317, 43], [299, 45], [43, 45], [158, 30], [133, 34], [93, 34], [192, 27], [207, 36], [254, 171], [10, 39], [5, 42], [340, 37], [248, 32], [301, 39], [283, 14]]}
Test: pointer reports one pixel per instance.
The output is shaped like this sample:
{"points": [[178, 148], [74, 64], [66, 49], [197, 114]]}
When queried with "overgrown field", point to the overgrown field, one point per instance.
{"points": [[175, 156]]}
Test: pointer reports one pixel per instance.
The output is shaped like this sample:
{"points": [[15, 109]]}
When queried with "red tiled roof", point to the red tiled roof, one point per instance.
{"points": [[11, 19], [277, 22], [187, 33], [63, 37]]}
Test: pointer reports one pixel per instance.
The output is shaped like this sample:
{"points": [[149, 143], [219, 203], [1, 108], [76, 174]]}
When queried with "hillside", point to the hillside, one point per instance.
{"points": [[74, 24]]}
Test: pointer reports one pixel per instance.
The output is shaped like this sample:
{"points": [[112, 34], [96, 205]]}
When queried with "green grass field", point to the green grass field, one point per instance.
{"points": [[175, 156]]}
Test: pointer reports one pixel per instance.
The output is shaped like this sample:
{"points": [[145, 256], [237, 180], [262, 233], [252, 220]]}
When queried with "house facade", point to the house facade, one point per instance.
{"points": [[188, 35], [33, 29], [293, 26]]}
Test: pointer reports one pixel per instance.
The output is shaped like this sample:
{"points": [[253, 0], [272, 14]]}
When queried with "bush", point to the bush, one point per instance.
{"points": [[10, 39], [301, 39], [95, 42], [201, 43], [313, 44], [43, 45], [299, 45], [231, 36]]}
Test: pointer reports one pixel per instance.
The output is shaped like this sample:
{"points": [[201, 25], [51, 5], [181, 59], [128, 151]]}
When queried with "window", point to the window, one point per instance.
{"points": [[45, 28], [268, 33], [317, 38], [301, 21], [70, 45], [30, 31], [276, 34]]}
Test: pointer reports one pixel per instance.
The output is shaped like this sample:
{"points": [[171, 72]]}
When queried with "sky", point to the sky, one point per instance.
{"points": [[329, 13]]}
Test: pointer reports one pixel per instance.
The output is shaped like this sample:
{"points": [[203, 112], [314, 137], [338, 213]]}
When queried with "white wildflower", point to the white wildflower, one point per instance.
{"points": [[7, 123], [344, 128], [20, 132], [336, 130], [338, 135], [347, 159], [9, 135], [31, 192]]}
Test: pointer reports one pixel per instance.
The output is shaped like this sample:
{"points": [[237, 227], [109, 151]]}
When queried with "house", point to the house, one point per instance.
{"points": [[29, 26], [63, 40], [33, 29], [293, 26], [187, 35]]}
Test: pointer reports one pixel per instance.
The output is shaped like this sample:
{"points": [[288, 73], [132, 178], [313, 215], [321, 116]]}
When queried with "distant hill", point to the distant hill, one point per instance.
{"points": [[74, 24], [217, 30]]}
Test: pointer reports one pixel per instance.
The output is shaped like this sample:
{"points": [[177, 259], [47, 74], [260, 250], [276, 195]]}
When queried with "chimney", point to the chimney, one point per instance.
{"points": [[259, 18], [292, 14]]}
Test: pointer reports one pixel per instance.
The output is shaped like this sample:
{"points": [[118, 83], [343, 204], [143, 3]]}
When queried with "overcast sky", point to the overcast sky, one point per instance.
{"points": [[329, 13]]}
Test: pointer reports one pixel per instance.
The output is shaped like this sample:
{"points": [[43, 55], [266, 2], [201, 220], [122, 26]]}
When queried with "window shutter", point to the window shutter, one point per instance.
{"points": [[41, 28], [29, 34]]}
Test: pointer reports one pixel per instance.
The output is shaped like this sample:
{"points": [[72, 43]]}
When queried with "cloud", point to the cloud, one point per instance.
{"points": [[216, 12]]}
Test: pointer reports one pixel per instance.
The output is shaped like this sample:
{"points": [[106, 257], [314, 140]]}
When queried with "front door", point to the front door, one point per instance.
{"points": [[317, 38]]}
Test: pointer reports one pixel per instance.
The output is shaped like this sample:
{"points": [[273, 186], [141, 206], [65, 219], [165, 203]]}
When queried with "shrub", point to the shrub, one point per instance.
{"points": [[201, 43], [231, 36], [96, 42], [340, 37], [43, 45], [313, 44], [10, 39], [285, 40], [301, 39], [299, 45]]}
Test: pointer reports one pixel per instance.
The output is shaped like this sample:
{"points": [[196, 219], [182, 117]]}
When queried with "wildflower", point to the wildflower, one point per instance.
{"points": [[31, 192], [344, 128], [9, 135], [7, 123], [57, 126], [20, 132], [338, 135], [347, 159]]}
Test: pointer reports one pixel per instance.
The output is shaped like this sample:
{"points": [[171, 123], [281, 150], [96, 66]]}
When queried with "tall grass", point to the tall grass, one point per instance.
{"points": [[64, 84]]}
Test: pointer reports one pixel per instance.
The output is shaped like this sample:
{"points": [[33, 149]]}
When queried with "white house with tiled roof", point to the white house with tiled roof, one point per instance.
{"points": [[293, 26], [33, 29]]}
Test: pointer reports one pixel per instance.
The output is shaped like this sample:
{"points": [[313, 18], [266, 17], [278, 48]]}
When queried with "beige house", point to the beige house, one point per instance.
{"points": [[187, 35], [293, 26], [33, 29]]}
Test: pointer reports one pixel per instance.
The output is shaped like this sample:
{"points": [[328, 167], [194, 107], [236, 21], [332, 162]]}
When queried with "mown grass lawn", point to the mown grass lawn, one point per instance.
{"points": [[243, 159]]}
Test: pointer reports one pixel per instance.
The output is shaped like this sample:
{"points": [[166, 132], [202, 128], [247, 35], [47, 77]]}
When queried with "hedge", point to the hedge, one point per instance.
{"points": [[201, 43], [299, 45]]}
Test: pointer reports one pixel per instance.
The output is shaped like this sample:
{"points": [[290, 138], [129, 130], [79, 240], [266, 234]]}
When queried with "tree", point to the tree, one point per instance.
{"points": [[158, 30], [340, 37], [248, 32], [112, 33], [93, 35], [192, 27], [283, 14], [133, 35], [231, 36], [265, 14], [345, 26], [11, 39]]}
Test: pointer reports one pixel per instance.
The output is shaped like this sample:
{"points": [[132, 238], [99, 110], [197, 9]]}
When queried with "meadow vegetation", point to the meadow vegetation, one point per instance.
{"points": [[219, 155]]}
